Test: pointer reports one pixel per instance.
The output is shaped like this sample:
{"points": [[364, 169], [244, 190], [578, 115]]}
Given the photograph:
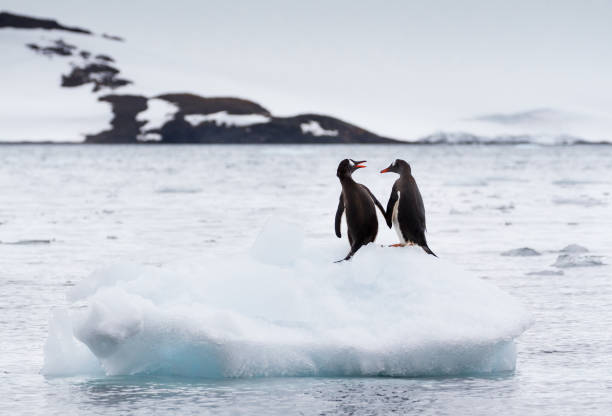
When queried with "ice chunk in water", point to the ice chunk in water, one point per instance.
{"points": [[64, 354], [285, 309], [577, 260], [574, 248], [521, 252], [546, 273]]}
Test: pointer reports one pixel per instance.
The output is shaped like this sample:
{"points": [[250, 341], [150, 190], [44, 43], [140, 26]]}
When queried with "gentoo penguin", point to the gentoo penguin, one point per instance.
{"points": [[358, 203], [405, 208]]}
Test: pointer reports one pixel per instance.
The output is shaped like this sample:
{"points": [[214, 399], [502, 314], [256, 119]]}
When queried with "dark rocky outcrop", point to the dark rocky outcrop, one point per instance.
{"points": [[112, 37], [99, 74], [58, 47], [26, 22], [195, 104], [124, 126], [105, 58], [277, 130], [347, 133]]}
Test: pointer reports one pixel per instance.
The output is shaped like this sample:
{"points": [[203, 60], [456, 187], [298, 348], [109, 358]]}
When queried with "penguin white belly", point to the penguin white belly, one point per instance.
{"points": [[395, 221]]}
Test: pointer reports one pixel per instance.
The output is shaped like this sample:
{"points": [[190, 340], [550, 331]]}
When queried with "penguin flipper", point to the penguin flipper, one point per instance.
{"points": [[339, 212], [419, 207], [378, 204], [390, 205]]}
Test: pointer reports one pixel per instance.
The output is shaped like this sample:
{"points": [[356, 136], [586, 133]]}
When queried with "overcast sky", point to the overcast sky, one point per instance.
{"points": [[399, 68]]}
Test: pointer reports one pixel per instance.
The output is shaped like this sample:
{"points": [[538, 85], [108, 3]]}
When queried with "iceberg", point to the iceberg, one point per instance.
{"points": [[284, 308], [521, 252]]}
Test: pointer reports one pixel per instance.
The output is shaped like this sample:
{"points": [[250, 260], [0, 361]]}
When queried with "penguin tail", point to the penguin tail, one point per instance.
{"points": [[428, 250], [349, 255]]}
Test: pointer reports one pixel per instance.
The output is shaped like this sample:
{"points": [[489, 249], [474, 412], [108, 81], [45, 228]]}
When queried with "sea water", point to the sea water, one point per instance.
{"points": [[532, 221]]}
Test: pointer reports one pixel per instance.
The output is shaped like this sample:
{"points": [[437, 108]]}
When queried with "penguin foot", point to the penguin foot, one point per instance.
{"points": [[397, 245]]}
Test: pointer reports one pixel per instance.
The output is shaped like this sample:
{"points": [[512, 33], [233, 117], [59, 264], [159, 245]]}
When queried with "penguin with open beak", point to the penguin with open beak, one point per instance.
{"points": [[405, 209], [358, 203]]}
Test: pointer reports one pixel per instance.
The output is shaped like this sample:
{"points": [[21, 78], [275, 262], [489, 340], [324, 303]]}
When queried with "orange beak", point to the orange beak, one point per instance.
{"points": [[360, 166], [384, 170]]}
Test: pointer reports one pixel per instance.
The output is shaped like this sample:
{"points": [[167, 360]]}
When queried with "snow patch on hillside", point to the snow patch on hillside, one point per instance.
{"points": [[222, 118], [313, 127], [158, 113]]}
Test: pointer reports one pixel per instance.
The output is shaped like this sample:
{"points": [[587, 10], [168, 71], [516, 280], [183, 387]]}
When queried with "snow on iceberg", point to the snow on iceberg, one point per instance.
{"points": [[284, 309]]}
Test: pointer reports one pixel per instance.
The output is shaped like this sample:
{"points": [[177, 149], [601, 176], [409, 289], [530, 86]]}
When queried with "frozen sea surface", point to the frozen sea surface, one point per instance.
{"points": [[66, 211]]}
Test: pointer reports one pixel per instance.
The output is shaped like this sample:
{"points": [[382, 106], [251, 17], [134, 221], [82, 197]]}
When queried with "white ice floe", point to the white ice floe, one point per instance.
{"points": [[222, 118], [285, 309], [313, 127]]}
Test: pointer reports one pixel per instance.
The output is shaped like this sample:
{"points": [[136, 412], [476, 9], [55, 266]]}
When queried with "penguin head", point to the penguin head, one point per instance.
{"points": [[399, 166], [348, 166]]}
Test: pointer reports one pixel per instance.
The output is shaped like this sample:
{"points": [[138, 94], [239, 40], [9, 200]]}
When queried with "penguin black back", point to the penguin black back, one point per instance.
{"points": [[405, 209], [358, 203]]}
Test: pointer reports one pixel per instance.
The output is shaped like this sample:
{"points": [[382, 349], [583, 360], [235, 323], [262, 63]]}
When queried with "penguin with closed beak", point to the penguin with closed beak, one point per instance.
{"points": [[405, 209], [358, 203]]}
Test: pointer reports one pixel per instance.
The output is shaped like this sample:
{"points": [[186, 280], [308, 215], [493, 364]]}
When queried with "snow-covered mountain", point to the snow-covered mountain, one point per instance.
{"points": [[63, 83], [543, 126]]}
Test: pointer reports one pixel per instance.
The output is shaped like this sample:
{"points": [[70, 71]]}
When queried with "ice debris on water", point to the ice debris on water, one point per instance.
{"points": [[177, 190], [27, 242], [285, 309], [574, 248], [577, 260], [521, 252], [546, 273], [585, 201], [573, 255]]}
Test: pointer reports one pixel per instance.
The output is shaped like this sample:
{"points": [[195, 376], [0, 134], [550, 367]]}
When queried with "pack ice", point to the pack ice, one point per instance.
{"points": [[284, 309]]}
